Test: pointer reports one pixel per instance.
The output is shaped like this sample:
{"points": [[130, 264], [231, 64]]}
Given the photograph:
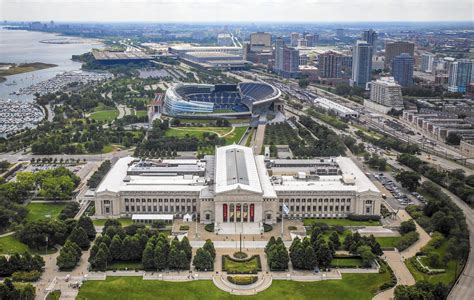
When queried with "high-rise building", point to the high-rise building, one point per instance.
{"points": [[459, 75], [393, 49], [310, 40], [302, 42], [361, 63], [295, 36], [385, 91], [287, 60], [260, 41], [427, 61], [330, 65], [402, 69], [369, 36]]}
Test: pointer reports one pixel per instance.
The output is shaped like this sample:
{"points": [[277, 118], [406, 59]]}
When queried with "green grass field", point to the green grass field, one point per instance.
{"points": [[347, 262], [352, 286], [140, 113], [225, 132], [38, 211], [121, 265], [387, 241], [123, 221], [340, 222], [8, 245], [446, 278], [104, 115]]}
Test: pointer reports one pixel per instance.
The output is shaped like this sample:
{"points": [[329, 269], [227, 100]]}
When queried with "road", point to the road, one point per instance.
{"points": [[20, 156]]}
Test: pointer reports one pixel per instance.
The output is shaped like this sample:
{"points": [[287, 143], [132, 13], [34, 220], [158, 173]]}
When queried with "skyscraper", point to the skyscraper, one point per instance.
{"points": [[295, 36], [369, 36], [361, 63], [427, 61], [387, 92], [459, 75], [402, 69], [330, 65], [393, 49], [286, 60], [310, 40], [260, 41]]}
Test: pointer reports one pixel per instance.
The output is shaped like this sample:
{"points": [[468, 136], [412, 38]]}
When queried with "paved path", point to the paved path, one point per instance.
{"points": [[395, 260]]}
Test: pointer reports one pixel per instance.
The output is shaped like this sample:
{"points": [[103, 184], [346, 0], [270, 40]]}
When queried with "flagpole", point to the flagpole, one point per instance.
{"points": [[282, 217]]}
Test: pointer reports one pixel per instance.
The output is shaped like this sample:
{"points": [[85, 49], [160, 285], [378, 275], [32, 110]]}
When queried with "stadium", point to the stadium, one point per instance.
{"points": [[221, 100]]}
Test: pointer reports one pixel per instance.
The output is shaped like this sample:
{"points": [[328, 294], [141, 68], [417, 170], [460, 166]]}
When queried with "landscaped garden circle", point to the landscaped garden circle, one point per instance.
{"points": [[240, 255], [242, 279], [251, 265]]}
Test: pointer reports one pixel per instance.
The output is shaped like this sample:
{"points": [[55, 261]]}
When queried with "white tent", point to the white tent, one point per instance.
{"points": [[187, 218]]}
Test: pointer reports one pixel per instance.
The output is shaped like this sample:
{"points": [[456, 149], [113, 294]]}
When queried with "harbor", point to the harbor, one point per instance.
{"points": [[18, 115]]}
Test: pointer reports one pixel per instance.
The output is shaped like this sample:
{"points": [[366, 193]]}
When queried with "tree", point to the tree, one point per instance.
{"points": [[116, 247], [88, 226], [303, 82], [324, 256], [186, 247], [161, 257], [203, 260], [5, 268], [148, 257], [366, 254], [79, 236], [66, 259], [278, 257], [407, 226], [310, 258], [334, 238], [409, 180], [209, 247], [100, 261]]}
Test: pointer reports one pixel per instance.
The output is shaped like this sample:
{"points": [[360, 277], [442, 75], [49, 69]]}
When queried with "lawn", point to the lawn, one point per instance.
{"points": [[140, 113], [388, 241], [347, 262], [8, 245], [446, 278], [251, 265], [340, 222], [104, 115], [38, 211], [352, 286], [229, 135], [123, 221]]}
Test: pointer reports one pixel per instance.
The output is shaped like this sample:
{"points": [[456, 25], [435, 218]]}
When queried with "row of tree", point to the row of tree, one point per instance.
{"points": [[455, 181], [9, 291], [96, 178], [277, 255], [20, 263]]}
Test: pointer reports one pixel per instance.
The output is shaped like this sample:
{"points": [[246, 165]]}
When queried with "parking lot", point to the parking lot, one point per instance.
{"points": [[399, 196]]}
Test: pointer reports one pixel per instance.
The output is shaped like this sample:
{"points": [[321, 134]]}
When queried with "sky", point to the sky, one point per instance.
{"points": [[237, 10]]}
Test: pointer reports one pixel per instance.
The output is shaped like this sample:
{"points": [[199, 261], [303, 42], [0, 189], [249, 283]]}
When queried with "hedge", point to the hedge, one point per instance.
{"points": [[242, 280], [30, 276], [267, 227], [407, 240], [364, 217], [209, 227], [393, 279]]}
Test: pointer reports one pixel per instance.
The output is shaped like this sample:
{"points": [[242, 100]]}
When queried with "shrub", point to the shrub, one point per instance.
{"points": [[291, 227], [242, 280], [209, 227], [407, 226], [240, 255], [184, 227], [26, 276], [363, 218], [407, 240], [267, 227]]}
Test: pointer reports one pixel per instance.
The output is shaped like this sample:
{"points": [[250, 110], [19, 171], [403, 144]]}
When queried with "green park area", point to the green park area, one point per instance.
{"points": [[230, 134], [251, 265], [104, 115], [140, 113], [9, 244], [38, 211], [388, 241], [352, 286], [123, 221], [340, 222]]}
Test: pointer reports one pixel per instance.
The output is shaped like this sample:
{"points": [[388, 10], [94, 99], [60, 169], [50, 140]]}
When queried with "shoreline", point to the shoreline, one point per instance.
{"points": [[15, 69]]}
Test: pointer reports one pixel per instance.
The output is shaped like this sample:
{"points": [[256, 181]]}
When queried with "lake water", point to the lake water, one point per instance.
{"points": [[21, 46]]}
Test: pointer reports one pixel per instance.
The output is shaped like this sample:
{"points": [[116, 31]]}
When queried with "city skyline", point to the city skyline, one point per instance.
{"points": [[237, 11]]}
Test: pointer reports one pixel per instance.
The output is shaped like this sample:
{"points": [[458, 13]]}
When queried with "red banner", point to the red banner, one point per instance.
{"points": [[225, 212], [252, 206]]}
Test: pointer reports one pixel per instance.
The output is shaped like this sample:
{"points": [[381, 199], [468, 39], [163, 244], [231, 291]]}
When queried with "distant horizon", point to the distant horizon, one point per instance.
{"points": [[230, 11]]}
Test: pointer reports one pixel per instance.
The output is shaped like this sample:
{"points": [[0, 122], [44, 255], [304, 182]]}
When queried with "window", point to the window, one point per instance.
{"points": [[208, 217], [126, 208], [367, 210], [107, 210]]}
